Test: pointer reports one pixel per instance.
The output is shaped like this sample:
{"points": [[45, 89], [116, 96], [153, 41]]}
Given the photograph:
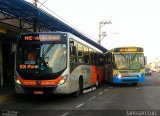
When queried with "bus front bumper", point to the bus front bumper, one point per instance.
{"points": [[58, 89], [128, 79]]}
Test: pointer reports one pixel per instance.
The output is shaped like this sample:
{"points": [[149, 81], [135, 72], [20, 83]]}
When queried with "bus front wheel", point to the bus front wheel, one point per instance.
{"points": [[97, 82], [134, 83], [80, 88]]}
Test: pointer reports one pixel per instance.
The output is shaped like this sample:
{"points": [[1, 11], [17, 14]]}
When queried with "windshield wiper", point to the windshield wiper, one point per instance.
{"points": [[124, 56], [133, 57], [47, 50]]}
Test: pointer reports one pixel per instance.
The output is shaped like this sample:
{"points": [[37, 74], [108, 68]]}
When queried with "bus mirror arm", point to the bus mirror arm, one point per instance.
{"points": [[145, 60], [114, 65]]}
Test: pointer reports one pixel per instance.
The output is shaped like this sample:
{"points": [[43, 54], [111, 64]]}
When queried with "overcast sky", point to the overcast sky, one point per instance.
{"points": [[134, 22]]}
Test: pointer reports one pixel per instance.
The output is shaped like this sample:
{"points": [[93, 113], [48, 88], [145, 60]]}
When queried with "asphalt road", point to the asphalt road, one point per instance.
{"points": [[115, 100]]}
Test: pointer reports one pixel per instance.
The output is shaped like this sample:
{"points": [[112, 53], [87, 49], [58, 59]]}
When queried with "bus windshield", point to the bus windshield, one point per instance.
{"points": [[41, 58], [129, 61]]}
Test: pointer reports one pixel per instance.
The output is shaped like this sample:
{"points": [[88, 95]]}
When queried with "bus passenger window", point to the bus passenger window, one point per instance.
{"points": [[80, 53], [86, 58], [86, 54], [73, 50], [80, 59]]}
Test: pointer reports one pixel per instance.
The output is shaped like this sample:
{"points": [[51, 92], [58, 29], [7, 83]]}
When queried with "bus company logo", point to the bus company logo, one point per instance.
{"points": [[38, 82]]}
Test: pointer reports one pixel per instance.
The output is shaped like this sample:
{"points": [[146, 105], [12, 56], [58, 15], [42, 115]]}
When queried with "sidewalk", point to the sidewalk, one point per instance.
{"points": [[6, 93], [6, 89]]}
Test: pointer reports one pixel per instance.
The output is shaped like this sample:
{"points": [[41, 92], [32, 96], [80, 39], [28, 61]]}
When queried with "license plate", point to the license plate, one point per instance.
{"points": [[125, 74], [38, 92]]}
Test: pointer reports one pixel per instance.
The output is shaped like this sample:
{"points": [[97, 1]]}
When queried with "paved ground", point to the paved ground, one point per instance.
{"points": [[116, 100]]}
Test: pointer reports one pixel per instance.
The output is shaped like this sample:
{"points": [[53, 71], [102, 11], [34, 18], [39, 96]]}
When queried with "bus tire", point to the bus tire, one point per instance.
{"points": [[134, 83], [110, 78], [97, 82], [80, 88]]}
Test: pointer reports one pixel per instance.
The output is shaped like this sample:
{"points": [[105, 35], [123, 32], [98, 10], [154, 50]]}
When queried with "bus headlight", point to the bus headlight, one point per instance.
{"points": [[139, 75], [17, 81], [16, 78], [119, 75], [63, 80]]}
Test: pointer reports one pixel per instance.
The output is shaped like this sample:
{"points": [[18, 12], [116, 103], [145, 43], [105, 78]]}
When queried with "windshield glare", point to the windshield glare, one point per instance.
{"points": [[46, 58], [129, 61]]}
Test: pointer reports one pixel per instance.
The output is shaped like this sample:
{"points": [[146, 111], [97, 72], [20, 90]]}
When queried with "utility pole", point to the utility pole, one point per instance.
{"points": [[34, 2], [102, 34]]}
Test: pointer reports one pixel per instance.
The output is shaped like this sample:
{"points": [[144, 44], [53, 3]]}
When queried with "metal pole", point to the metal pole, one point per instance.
{"points": [[101, 24], [34, 18], [1, 66], [34, 2], [99, 41]]}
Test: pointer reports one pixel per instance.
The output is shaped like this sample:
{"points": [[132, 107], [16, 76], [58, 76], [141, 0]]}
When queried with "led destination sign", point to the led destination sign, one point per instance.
{"points": [[41, 37], [128, 50]]}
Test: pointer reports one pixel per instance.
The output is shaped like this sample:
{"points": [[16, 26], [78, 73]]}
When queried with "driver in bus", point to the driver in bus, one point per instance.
{"points": [[121, 63]]}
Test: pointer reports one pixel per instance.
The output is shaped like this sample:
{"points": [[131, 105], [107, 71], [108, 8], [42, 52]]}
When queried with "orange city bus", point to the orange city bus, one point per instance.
{"points": [[56, 63]]}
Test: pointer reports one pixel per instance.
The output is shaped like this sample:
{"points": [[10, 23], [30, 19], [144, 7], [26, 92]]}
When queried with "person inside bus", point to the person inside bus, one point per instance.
{"points": [[31, 57], [120, 63]]}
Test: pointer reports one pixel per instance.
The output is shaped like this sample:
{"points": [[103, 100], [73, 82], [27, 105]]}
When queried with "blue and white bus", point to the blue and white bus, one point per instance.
{"points": [[125, 65]]}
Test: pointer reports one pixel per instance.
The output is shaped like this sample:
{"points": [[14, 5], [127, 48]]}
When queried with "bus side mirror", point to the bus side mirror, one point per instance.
{"points": [[145, 60], [13, 47], [113, 58], [114, 65]]}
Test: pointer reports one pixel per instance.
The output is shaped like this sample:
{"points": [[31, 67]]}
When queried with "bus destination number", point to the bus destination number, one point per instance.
{"points": [[24, 66]]}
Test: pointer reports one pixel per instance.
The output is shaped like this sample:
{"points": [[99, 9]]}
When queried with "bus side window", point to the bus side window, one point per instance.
{"points": [[99, 59], [86, 55], [86, 58], [92, 57], [73, 52], [95, 58], [80, 53]]}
